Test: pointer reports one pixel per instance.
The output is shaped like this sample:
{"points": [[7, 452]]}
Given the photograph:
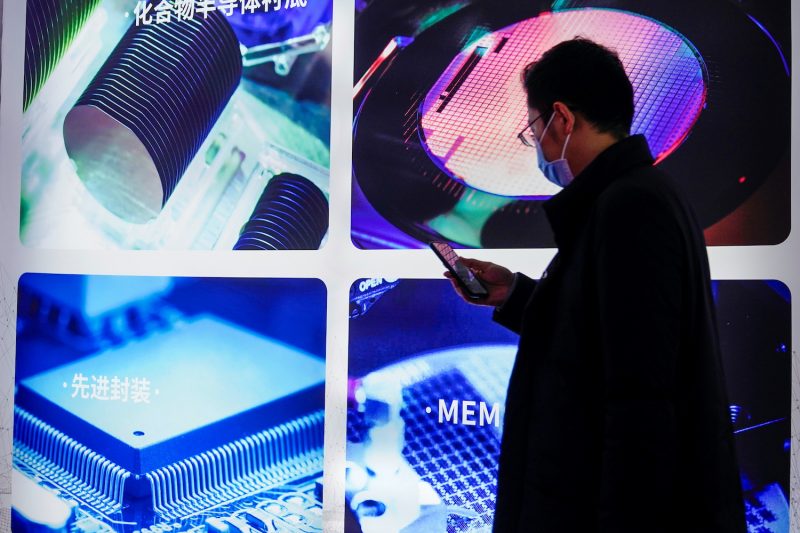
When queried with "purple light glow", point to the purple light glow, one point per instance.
{"points": [[472, 114]]}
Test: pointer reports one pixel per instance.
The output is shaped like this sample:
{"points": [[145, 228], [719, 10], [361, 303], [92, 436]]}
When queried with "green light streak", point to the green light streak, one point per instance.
{"points": [[463, 224], [477, 33], [558, 5], [439, 15]]}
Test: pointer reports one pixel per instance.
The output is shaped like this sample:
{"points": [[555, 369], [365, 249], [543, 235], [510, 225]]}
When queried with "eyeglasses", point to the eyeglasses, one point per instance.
{"points": [[527, 136]]}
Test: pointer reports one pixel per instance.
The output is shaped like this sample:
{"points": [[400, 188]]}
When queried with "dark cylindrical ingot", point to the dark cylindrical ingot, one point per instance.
{"points": [[50, 27], [141, 121], [292, 214]]}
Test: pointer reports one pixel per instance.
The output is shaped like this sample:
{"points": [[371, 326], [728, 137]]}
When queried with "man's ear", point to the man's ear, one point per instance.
{"points": [[565, 117]]}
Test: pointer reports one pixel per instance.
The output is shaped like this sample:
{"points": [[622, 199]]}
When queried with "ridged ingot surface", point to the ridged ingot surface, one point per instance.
{"points": [[141, 121], [292, 214], [50, 27]]}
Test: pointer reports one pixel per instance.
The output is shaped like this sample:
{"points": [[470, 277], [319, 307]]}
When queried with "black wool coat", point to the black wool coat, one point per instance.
{"points": [[617, 418]]}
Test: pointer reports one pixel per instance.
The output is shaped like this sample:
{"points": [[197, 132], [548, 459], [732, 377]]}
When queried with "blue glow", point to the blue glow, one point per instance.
{"points": [[780, 289], [449, 357], [94, 296], [185, 382], [774, 42], [757, 426], [259, 27], [199, 374]]}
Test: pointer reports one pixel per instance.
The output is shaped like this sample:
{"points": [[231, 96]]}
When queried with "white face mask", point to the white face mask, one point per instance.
{"points": [[558, 171]]}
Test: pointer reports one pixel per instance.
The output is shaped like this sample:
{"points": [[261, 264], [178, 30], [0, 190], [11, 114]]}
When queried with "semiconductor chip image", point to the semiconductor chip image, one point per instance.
{"points": [[190, 412]]}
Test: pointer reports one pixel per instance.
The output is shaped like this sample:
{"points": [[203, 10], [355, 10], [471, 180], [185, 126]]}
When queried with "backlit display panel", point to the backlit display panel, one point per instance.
{"points": [[471, 116]]}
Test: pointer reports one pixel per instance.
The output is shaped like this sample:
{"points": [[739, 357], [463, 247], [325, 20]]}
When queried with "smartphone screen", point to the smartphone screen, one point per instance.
{"points": [[464, 275]]}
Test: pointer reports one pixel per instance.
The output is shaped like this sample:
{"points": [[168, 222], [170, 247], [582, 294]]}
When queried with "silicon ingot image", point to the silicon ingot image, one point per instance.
{"points": [[144, 116], [292, 214], [159, 125], [55, 23]]}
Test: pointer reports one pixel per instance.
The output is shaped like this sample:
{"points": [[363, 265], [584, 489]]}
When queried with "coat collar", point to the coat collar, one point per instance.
{"points": [[567, 211]]}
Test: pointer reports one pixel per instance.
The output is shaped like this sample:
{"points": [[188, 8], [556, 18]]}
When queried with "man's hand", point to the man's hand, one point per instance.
{"points": [[495, 278]]}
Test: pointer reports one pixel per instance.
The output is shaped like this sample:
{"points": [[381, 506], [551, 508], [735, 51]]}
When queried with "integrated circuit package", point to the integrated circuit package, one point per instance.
{"points": [[202, 425]]}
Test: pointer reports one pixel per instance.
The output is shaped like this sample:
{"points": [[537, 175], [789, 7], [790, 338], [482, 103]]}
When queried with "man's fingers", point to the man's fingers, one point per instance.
{"points": [[457, 287], [475, 263], [489, 272], [478, 267]]}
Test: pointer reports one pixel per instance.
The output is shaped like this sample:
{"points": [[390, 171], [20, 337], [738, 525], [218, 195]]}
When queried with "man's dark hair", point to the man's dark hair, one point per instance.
{"points": [[588, 78]]}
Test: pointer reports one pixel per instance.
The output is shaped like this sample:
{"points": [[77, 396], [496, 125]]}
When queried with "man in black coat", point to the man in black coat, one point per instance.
{"points": [[616, 417]]}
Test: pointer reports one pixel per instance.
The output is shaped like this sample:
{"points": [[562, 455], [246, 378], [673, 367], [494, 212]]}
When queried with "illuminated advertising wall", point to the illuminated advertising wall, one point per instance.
{"points": [[107, 369], [439, 103], [433, 371], [185, 126], [154, 378]]}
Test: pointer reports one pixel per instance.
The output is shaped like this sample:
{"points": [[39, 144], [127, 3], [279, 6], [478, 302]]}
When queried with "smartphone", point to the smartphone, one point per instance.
{"points": [[471, 285]]}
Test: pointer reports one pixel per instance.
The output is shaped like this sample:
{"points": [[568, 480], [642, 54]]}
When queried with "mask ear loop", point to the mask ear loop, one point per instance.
{"points": [[544, 131], [566, 142]]}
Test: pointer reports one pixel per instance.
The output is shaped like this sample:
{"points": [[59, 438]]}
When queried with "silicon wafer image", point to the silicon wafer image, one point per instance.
{"points": [[426, 399], [438, 103], [169, 404], [160, 124]]}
